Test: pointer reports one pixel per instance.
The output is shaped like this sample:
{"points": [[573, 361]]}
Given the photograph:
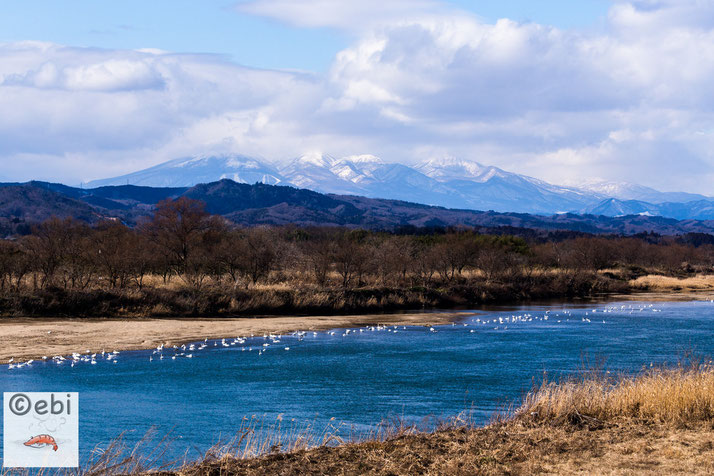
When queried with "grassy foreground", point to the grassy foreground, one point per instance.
{"points": [[659, 422]]}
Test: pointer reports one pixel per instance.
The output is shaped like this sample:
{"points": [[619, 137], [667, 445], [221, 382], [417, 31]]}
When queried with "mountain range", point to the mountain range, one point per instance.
{"points": [[22, 205], [451, 183]]}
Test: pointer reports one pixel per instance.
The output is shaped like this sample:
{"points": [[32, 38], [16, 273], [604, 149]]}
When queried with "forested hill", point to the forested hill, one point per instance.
{"points": [[22, 205]]}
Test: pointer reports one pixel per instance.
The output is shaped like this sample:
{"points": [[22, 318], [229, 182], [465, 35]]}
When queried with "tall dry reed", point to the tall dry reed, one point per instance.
{"points": [[680, 395]]}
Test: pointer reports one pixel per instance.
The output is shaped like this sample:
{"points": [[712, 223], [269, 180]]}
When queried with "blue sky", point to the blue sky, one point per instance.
{"points": [[562, 90], [216, 26]]}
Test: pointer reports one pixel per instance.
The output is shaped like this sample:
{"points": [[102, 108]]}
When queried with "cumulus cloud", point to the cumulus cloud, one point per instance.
{"points": [[64, 69], [110, 75], [631, 102], [527, 96], [127, 109]]}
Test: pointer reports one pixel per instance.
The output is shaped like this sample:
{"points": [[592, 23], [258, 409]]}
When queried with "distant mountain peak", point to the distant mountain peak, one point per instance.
{"points": [[358, 168], [632, 191], [452, 161], [612, 188], [189, 171], [453, 168], [316, 158], [364, 159], [230, 161], [450, 182]]}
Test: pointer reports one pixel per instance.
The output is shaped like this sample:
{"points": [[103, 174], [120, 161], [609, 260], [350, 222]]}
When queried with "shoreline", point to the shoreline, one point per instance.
{"points": [[33, 338], [25, 338]]}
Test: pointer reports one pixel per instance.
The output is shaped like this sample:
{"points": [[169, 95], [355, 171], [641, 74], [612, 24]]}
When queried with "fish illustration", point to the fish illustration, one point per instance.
{"points": [[41, 441]]}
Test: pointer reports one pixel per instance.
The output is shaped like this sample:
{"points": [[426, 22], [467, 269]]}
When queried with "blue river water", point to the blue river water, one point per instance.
{"points": [[367, 375]]}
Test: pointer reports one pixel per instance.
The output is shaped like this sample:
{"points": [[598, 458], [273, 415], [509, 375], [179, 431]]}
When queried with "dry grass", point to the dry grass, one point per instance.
{"points": [[256, 438], [149, 455], [667, 283], [667, 288], [676, 396], [512, 448]]}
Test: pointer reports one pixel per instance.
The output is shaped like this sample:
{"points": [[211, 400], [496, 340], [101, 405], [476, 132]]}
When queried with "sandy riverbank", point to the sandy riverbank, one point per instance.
{"points": [[33, 338]]}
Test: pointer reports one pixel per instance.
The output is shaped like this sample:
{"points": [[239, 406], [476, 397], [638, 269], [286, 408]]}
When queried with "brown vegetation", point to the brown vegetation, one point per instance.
{"points": [[514, 448], [660, 422], [670, 283], [186, 262]]}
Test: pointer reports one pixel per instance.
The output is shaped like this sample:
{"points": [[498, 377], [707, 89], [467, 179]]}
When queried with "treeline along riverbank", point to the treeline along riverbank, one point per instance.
{"points": [[186, 262]]}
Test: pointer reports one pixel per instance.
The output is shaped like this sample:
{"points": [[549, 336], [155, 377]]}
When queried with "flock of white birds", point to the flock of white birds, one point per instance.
{"points": [[261, 344]]}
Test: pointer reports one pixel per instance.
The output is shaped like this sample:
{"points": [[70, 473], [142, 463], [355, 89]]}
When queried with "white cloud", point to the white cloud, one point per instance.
{"points": [[646, 16], [630, 102], [65, 101], [342, 14], [110, 75], [528, 96]]}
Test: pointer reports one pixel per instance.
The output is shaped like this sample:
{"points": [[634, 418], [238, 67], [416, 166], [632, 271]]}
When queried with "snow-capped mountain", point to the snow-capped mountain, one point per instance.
{"points": [[613, 207], [496, 189], [188, 172], [633, 191], [366, 175], [450, 182], [695, 210], [451, 168], [314, 171]]}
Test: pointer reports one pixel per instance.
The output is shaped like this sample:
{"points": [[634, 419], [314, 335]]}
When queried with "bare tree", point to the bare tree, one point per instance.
{"points": [[319, 256], [47, 247], [183, 231], [259, 253], [14, 265], [350, 259], [112, 248]]}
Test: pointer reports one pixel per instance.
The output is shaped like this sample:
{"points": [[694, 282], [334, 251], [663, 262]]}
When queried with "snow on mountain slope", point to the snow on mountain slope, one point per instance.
{"points": [[187, 172], [366, 175], [449, 169], [457, 169], [613, 207], [358, 169], [489, 187], [314, 171], [450, 182], [695, 210], [633, 191]]}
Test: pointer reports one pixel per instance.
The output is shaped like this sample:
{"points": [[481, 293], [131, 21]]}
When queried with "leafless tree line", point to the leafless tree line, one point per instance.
{"points": [[184, 242]]}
